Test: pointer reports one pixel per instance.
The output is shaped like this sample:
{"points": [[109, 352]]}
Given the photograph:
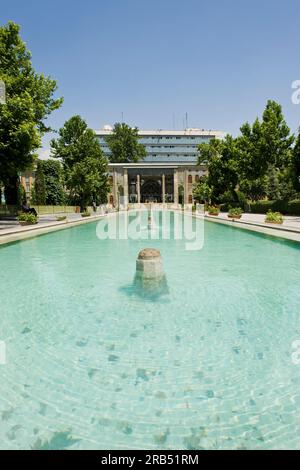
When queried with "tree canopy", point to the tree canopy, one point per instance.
{"points": [[124, 145], [49, 172], [29, 101], [259, 163], [296, 164], [84, 164]]}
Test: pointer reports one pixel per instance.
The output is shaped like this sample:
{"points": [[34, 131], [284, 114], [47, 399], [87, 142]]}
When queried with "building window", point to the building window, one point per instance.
{"points": [[190, 199], [197, 179], [190, 179]]}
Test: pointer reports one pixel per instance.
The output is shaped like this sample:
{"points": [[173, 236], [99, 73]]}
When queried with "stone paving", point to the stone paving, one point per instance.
{"points": [[291, 223]]}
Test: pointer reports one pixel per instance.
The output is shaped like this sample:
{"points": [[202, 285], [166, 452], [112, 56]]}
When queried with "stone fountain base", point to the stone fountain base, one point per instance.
{"points": [[150, 277]]}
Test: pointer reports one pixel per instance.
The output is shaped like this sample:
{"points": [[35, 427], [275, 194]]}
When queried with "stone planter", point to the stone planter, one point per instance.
{"points": [[215, 215], [234, 217], [23, 223], [274, 223]]}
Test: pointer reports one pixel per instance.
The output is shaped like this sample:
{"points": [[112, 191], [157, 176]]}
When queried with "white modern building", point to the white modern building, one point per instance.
{"points": [[168, 172]]}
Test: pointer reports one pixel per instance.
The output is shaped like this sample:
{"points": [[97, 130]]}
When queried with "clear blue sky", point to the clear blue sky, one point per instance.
{"points": [[219, 61]]}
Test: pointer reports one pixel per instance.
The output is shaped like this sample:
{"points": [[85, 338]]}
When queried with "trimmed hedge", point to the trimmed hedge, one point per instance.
{"points": [[262, 207], [230, 205], [285, 207]]}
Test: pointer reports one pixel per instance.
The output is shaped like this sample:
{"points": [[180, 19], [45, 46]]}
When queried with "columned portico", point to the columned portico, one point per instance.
{"points": [[154, 182]]}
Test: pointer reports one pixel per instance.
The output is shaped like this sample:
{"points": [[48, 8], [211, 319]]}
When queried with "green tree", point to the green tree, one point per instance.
{"points": [[29, 100], [296, 164], [124, 144], [84, 164], [264, 153], [39, 188], [276, 140], [55, 194], [251, 164], [202, 191], [221, 158]]}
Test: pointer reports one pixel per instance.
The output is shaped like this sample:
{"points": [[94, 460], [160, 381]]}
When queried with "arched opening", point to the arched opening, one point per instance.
{"points": [[151, 191]]}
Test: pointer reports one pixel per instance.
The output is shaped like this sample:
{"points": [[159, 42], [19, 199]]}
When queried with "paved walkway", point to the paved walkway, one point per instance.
{"points": [[290, 229], [12, 226], [291, 223], [11, 230]]}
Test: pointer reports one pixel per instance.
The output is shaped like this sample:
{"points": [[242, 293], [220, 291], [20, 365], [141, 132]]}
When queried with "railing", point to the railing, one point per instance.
{"points": [[47, 210], [8, 211], [11, 211]]}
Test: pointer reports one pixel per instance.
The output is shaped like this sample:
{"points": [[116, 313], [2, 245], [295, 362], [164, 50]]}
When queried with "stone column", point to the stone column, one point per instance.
{"points": [[115, 187], [125, 183], [175, 187], [163, 186], [186, 187], [138, 188]]}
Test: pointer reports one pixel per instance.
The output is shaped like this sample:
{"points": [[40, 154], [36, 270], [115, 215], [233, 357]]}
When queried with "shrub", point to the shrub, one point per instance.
{"points": [[28, 218], [85, 214], [274, 218], [285, 207], [294, 207], [227, 206], [212, 210], [235, 212]]}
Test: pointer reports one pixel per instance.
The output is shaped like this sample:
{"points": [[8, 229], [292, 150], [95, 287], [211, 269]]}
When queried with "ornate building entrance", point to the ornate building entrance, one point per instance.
{"points": [[160, 183], [151, 191]]}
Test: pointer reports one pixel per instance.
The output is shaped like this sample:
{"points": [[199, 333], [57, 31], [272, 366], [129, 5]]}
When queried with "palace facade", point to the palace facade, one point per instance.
{"points": [[168, 172]]}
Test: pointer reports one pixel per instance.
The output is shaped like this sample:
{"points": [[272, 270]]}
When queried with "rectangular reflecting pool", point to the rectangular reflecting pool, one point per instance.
{"points": [[92, 363]]}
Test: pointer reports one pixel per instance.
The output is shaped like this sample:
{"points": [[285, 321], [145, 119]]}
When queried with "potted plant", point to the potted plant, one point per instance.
{"points": [[212, 210], [85, 214], [274, 218], [27, 218], [60, 218], [235, 213]]}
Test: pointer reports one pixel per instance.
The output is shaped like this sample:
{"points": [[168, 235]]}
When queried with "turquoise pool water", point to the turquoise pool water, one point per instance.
{"points": [[92, 365]]}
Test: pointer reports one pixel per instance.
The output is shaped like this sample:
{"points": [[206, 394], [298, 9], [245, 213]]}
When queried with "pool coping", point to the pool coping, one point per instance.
{"points": [[36, 230], [267, 229]]}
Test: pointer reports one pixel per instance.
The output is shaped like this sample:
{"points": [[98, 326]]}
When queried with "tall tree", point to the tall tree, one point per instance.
{"points": [[264, 153], [29, 100], [39, 188], [276, 138], [202, 191], [53, 182], [221, 158], [84, 164], [124, 144], [296, 164], [251, 162]]}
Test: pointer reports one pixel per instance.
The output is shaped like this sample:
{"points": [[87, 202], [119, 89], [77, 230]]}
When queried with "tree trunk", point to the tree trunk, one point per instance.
{"points": [[11, 191]]}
